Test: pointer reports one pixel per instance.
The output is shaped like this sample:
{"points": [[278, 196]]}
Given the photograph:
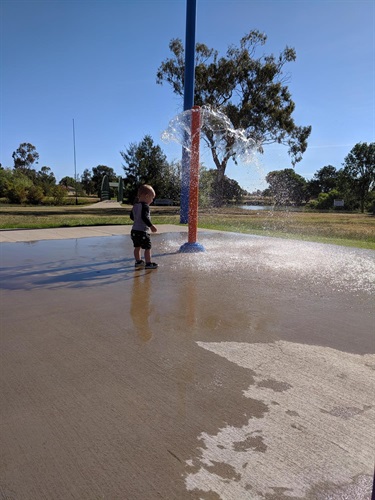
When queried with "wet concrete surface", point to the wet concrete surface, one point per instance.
{"points": [[244, 372]]}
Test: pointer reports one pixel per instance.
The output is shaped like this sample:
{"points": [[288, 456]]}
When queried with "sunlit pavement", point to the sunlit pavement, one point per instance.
{"points": [[244, 372]]}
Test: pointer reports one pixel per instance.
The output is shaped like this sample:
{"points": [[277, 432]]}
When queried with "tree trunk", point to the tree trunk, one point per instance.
{"points": [[218, 194]]}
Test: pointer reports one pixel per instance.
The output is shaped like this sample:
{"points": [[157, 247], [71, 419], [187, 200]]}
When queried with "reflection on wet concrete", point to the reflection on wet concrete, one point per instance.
{"points": [[140, 308], [134, 375]]}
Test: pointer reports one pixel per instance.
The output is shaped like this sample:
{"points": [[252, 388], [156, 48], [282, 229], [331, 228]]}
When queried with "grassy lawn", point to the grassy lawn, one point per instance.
{"points": [[356, 230]]}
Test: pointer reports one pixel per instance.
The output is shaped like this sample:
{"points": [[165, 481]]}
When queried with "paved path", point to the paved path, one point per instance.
{"points": [[19, 235], [244, 372]]}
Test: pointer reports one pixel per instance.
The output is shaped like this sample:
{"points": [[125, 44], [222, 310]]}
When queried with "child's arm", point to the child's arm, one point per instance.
{"points": [[145, 215]]}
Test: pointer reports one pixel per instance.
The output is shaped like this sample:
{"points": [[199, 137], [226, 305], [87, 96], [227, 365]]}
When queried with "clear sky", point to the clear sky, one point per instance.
{"points": [[95, 61]]}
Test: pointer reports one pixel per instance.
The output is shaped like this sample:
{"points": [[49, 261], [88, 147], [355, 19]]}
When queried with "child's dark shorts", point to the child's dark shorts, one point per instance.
{"points": [[141, 239]]}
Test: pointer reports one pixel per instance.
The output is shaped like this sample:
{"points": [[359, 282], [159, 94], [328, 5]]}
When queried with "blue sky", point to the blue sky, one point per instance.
{"points": [[95, 61]]}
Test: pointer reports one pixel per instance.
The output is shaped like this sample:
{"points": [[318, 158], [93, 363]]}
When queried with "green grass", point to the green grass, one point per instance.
{"points": [[348, 229], [355, 230]]}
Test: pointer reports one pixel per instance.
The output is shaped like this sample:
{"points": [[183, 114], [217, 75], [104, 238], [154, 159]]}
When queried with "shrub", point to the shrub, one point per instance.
{"points": [[18, 189], [58, 193], [35, 195]]}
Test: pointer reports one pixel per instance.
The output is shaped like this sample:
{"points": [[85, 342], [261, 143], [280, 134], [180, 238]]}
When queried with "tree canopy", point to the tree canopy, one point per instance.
{"points": [[286, 186], [359, 171], [324, 181], [233, 193], [98, 173], [145, 163], [87, 182], [25, 156], [249, 89]]}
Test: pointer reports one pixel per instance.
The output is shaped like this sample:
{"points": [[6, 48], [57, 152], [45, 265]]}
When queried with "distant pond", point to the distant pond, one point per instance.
{"points": [[271, 207], [256, 207]]}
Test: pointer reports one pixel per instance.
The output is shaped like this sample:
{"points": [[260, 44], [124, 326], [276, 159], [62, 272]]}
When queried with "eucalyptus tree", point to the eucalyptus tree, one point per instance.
{"points": [[250, 89], [25, 156], [46, 179], [358, 174]]}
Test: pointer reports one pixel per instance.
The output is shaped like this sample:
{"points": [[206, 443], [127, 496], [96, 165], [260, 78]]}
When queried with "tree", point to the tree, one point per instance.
{"points": [[97, 177], [286, 186], [324, 181], [249, 90], [19, 187], [207, 179], [171, 181], [325, 201], [35, 195], [67, 181], [6, 176], [358, 174], [59, 192], [46, 180], [145, 163], [25, 156], [87, 182]]}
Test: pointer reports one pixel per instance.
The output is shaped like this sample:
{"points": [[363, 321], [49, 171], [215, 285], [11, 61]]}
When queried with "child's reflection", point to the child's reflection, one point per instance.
{"points": [[140, 308]]}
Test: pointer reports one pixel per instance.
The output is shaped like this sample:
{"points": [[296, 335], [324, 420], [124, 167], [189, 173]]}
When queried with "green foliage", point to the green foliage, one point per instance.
{"points": [[249, 89], [287, 187], [87, 182], [34, 195], [145, 163], [59, 193], [97, 177], [206, 185], [46, 180], [359, 171], [6, 175], [324, 181], [67, 181], [325, 201], [25, 156], [233, 193], [18, 188]]}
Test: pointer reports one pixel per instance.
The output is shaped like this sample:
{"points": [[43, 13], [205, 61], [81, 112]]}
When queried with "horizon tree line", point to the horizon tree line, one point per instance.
{"points": [[145, 162]]}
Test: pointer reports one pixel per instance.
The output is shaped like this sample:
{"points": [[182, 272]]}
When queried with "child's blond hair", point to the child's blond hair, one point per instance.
{"points": [[145, 189]]}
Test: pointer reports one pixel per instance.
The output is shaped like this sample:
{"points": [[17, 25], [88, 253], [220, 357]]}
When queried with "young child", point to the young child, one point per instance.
{"points": [[140, 232]]}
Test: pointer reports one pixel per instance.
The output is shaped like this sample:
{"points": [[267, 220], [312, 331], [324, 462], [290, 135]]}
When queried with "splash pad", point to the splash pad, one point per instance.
{"points": [[188, 383], [250, 364]]}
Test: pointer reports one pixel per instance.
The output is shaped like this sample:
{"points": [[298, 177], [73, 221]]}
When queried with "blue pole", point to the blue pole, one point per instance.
{"points": [[191, 7]]}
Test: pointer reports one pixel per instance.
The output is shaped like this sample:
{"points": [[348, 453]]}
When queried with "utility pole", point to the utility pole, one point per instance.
{"points": [[75, 164]]}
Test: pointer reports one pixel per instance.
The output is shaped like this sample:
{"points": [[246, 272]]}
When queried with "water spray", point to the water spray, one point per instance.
{"points": [[185, 129]]}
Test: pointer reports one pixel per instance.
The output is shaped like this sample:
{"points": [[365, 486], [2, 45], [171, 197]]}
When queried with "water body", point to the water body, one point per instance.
{"points": [[256, 207], [272, 208]]}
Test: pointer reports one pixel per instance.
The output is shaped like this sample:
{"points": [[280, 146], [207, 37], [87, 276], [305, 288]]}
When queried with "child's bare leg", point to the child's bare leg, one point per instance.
{"points": [[137, 253], [148, 256]]}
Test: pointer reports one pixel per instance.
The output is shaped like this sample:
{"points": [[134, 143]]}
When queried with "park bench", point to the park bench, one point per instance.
{"points": [[163, 202]]}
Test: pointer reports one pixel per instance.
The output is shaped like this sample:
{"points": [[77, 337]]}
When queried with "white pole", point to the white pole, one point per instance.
{"points": [[75, 164]]}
